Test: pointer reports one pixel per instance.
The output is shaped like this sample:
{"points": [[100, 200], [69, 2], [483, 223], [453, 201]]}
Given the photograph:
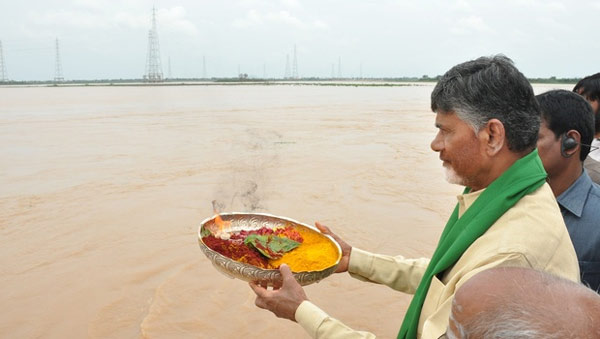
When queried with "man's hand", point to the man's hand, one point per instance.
{"points": [[346, 249], [282, 301]]}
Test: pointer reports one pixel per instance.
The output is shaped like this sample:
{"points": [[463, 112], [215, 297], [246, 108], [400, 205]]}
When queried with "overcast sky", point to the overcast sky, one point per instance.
{"points": [[109, 39]]}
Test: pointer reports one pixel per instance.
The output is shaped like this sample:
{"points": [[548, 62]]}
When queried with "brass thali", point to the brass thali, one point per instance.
{"points": [[239, 221]]}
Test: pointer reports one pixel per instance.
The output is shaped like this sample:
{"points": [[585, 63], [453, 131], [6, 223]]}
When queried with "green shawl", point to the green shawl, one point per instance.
{"points": [[523, 177]]}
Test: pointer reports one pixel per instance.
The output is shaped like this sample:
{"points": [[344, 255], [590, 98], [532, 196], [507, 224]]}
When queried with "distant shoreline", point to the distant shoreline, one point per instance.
{"points": [[394, 82]]}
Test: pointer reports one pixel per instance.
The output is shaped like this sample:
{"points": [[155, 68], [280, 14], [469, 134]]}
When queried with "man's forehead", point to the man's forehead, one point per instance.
{"points": [[443, 118]]}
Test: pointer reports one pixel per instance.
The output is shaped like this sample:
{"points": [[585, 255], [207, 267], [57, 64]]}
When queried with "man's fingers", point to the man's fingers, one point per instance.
{"points": [[260, 303], [261, 295], [325, 230], [322, 228], [261, 292], [286, 273]]}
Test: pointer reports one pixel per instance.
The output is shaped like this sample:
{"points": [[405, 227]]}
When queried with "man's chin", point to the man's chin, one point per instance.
{"points": [[452, 177]]}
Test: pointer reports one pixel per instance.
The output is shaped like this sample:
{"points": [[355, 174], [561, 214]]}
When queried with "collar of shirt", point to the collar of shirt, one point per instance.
{"points": [[466, 200], [574, 198]]}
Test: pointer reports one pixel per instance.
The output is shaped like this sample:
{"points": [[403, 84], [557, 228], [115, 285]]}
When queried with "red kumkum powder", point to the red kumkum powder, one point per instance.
{"points": [[237, 251], [235, 248]]}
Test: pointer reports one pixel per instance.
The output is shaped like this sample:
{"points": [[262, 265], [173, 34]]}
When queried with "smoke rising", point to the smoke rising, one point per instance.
{"points": [[252, 159]]}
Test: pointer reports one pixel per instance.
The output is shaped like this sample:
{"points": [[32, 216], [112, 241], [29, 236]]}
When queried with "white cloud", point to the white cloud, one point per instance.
{"points": [[320, 24], [556, 6], [291, 3], [470, 24], [174, 19], [70, 19], [542, 5], [168, 19], [128, 20], [90, 4], [255, 18], [252, 18], [286, 18], [551, 24], [463, 5]]}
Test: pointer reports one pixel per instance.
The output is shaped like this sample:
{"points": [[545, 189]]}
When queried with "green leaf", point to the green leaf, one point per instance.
{"points": [[271, 246], [205, 232]]}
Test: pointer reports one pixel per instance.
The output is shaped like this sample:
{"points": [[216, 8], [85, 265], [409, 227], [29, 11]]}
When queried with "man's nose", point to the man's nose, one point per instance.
{"points": [[436, 143]]}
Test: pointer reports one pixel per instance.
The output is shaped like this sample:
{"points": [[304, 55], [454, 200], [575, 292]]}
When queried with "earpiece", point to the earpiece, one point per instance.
{"points": [[567, 143]]}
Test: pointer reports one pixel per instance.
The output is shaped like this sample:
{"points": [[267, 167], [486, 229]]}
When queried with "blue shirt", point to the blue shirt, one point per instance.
{"points": [[580, 207]]}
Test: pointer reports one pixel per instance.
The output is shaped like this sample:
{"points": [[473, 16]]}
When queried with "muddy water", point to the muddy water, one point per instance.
{"points": [[102, 191]]}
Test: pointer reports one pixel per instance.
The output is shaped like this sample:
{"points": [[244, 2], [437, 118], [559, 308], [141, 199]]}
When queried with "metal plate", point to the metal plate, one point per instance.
{"points": [[253, 221]]}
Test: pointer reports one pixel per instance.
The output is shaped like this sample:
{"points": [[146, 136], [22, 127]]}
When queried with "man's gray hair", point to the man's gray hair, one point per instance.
{"points": [[516, 321], [520, 315], [491, 88]]}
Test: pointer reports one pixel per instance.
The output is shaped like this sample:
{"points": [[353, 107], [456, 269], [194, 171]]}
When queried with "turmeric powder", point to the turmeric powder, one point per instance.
{"points": [[316, 253]]}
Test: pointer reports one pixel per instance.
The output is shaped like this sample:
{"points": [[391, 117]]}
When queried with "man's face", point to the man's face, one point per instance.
{"points": [[595, 107], [549, 150], [459, 150], [594, 103]]}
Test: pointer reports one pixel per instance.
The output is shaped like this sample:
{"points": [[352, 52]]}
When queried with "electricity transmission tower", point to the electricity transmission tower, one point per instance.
{"points": [[153, 66], [295, 65], [169, 68], [3, 74], [340, 67], [360, 72], [287, 67], [58, 75], [203, 67]]}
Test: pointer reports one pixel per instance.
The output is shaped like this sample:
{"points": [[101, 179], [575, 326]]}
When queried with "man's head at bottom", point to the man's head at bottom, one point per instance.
{"points": [[523, 303]]}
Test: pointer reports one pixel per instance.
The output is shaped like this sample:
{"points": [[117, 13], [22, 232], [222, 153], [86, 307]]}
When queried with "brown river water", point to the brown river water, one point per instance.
{"points": [[103, 190]]}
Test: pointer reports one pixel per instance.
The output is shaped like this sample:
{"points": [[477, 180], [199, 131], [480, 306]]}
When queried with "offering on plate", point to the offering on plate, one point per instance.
{"points": [[252, 246]]}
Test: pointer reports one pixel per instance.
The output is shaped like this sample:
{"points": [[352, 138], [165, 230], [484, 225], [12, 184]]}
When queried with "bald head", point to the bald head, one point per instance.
{"points": [[515, 302]]}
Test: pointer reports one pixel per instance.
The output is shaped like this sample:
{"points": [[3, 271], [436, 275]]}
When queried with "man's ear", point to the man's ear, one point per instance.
{"points": [[569, 150], [494, 136]]}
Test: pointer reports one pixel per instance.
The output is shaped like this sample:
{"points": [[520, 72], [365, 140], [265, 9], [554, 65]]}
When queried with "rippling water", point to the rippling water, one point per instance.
{"points": [[103, 189]]}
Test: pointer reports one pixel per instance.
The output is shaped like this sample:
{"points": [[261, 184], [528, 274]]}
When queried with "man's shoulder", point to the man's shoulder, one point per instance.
{"points": [[537, 209], [533, 229], [536, 214], [593, 198], [542, 198], [584, 190]]}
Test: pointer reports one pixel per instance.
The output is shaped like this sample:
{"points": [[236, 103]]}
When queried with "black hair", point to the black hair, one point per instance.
{"points": [[589, 87], [491, 88], [564, 111]]}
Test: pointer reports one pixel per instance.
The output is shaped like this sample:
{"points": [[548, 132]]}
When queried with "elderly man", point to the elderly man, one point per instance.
{"points": [[511, 302], [589, 88], [487, 120], [566, 131]]}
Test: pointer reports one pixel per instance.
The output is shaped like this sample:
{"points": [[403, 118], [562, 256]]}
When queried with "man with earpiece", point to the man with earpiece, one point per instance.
{"points": [[566, 132], [589, 88]]}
